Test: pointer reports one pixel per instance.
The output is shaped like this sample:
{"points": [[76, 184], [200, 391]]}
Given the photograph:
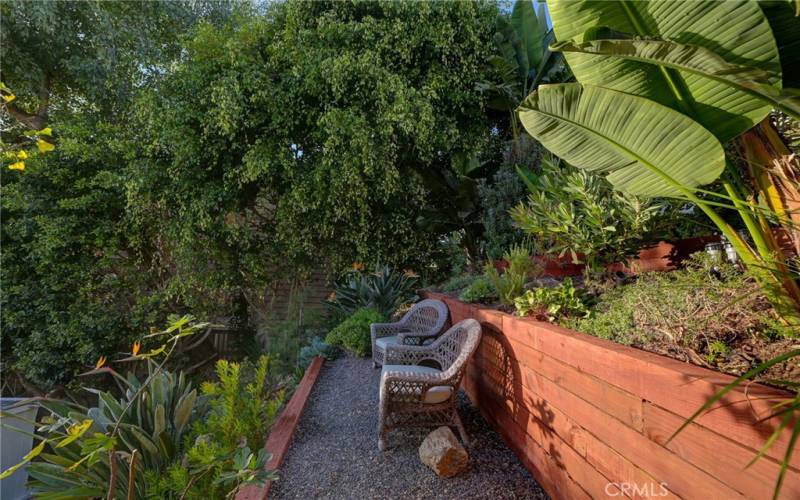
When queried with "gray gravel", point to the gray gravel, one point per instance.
{"points": [[335, 449]]}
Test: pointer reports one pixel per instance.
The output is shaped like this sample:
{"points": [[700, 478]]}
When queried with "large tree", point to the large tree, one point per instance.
{"points": [[301, 138], [72, 286]]}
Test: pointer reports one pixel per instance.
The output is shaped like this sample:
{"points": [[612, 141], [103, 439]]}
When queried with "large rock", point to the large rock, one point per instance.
{"points": [[442, 452]]}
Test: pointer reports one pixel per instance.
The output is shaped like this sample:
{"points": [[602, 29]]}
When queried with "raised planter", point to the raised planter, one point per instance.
{"points": [[280, 436], [591, 418]]}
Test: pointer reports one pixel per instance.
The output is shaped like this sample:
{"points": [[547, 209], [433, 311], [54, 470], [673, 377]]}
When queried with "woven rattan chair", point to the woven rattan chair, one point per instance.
{"points": [[424, 321], [416, 395]]}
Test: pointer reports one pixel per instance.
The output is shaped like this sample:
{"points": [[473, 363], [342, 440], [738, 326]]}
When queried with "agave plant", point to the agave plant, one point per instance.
{"points": [[383, 290], [86, 461]]}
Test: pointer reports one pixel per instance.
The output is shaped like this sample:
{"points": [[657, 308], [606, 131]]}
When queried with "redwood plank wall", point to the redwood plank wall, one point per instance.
{"points": [[591, 419]]}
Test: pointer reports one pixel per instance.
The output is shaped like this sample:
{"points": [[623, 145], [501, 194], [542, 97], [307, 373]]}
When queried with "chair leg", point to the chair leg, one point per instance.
{"points": [[381, 429], [460, 426], [381, 443]]}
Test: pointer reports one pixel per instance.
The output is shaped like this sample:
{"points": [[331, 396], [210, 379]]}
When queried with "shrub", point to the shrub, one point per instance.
{"points": [[458, 283], [317, 347], [552, 303], [384, 290], [353, 333], [238, 411], [481, 290], [693, 307], [572, 211], [509, 285]]}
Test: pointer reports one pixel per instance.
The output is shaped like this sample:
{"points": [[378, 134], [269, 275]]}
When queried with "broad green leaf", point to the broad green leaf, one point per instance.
{"points": [[529, 31], [183, 410], [643, 148], [737, 30], [785, 24], [696, 60], [159, 420]]}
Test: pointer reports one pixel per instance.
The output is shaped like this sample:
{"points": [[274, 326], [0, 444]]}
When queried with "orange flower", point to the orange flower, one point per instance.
{"points": [[409, 273], [332, 296], [357, 266], [136, 347], [100, 363]]}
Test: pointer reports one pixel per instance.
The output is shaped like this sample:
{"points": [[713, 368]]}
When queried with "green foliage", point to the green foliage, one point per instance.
{"points": [[383, 290], [76, 282], [458, 282], [353, 333], [716, 349], [238, 412], [480, 290], [317, 347], [309, 147], [572, 211], [692, 307], [553, 303], [496, 198], [154, 417], [509, 285]]}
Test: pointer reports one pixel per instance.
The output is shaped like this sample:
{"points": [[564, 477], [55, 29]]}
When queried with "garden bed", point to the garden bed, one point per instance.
{"points": [[588, 416]]}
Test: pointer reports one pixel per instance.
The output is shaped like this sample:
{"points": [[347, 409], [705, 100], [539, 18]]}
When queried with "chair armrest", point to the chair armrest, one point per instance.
{"points": [[414, 338], [380, 330], [409, 355], [408, 387]]}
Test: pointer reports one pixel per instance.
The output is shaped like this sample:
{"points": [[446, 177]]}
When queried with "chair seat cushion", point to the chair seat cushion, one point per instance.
{"points": [[437, 394], [383, 342]]}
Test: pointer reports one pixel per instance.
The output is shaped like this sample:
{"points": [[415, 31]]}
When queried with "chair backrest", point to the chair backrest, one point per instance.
{"points": [[455, 346], [426, 316]]}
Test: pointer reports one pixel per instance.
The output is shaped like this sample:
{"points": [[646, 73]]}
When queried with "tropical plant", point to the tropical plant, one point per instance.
{"points": [[480, 290], [353, 333], [643, 102], [522, 60], [572, 211], [150, 436], [552, 303], [520, 267], [384, 290], [144, 427]]}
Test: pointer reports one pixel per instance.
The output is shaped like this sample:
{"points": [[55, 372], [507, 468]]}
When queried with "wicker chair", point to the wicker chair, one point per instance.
{"points": [[424, 321], [416, 395]]}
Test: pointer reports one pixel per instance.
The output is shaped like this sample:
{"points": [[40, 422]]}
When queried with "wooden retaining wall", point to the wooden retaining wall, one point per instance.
{"points": [[590, 418]]}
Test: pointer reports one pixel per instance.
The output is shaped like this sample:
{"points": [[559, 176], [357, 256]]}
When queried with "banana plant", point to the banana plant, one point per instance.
{"points": [[522, 60], [671, 78]]}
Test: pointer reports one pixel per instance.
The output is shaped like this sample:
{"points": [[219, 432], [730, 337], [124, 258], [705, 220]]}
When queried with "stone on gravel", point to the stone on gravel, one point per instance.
{"points": [[442, 452]]}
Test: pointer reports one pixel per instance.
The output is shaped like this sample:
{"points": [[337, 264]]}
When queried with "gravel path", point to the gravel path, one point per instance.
{"points": [[335, 450]]}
